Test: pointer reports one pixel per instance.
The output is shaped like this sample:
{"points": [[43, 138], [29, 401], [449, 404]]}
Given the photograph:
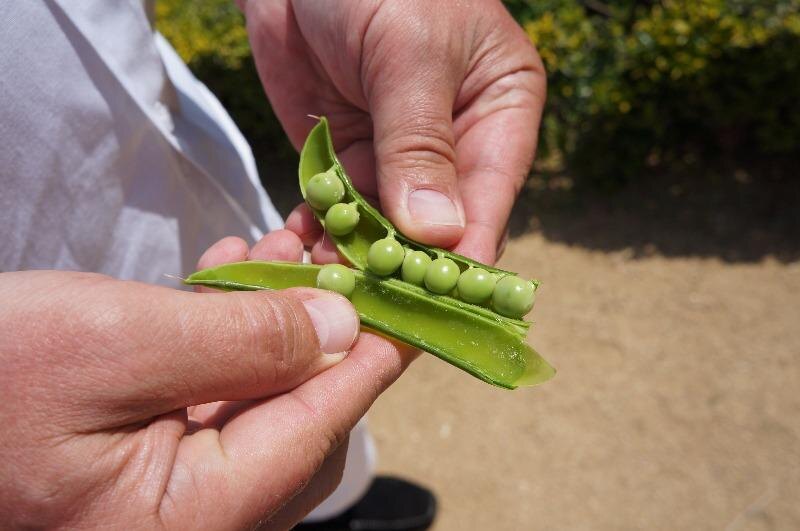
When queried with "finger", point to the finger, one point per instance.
{"points": [[411, 103], [293, 433], [284, 64], [183, 349], [324, 252], [501, 246], [315, 492], [478, 243], [302, 222], [226, 250], [215, 414], [496, 154], [278, 245], [358, 160], [496, 131]]}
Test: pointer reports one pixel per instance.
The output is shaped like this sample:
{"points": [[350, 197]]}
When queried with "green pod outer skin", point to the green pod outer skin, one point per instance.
{"points": [[318, 156], [478, 343]]}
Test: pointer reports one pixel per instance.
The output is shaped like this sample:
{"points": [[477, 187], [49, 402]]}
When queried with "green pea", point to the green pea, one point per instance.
{"points": [[513, 296], [442, 276], [324, 190], [341, 219], [338, 278], [414, 266], [385, 256], [475, 285]]}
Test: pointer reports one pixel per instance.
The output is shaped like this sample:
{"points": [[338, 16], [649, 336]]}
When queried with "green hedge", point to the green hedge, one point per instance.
{"points": [[632, 84], [669, 83]]}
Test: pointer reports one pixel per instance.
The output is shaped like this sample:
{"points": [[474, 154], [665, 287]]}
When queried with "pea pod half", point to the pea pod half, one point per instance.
{"points": [[318, 156], [483, 345]]}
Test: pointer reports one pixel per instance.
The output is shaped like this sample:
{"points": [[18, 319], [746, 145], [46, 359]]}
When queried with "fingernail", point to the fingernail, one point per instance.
{"points": [[335, 322], [434, 208]]}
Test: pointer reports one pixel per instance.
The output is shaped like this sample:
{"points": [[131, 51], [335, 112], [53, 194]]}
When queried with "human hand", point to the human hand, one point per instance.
{"points": [[98, 375], [434, 108]]}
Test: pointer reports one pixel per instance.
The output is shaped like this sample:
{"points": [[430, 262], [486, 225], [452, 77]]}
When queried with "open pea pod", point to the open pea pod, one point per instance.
{"points": [[475, 342], [467, 316], [319, 156]]}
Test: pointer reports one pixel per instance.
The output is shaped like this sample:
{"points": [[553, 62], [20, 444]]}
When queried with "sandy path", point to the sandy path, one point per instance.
{"points": [[676, 406]]}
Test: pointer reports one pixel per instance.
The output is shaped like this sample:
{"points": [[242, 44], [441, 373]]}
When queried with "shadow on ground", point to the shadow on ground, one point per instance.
{"points": [[737, 217]]}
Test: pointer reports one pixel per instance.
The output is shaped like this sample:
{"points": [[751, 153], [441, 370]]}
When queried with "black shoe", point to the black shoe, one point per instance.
{"points": [[390, 504]]}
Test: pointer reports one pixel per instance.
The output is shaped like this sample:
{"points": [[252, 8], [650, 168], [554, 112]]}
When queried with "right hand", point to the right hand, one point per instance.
{"points": [[434, 108], [98, 375]]}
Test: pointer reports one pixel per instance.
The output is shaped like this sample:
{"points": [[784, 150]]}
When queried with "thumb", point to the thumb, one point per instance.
{"points": [[179, 349], [415, 155]]}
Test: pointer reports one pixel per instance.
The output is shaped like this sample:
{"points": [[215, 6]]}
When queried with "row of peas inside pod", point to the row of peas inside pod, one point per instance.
{"points": [[508, 295]]}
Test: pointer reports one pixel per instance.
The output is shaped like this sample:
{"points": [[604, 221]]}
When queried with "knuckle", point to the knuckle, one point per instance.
{"points": [[279, 350], [422, 141]]}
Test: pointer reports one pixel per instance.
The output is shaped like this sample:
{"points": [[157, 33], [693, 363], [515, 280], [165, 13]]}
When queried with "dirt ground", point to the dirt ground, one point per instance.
{"points": [[671, 310], [676, 404]]}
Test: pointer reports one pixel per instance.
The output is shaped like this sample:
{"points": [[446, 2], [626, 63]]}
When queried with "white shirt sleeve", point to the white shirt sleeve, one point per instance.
{"points": [[113, 157]]}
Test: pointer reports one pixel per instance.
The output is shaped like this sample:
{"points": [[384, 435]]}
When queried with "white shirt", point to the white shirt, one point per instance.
{"points": [[113, 157]]}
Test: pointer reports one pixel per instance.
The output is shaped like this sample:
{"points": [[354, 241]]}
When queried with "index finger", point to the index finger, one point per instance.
{"points": [[494, 158], [291, 433], [497, 133]]}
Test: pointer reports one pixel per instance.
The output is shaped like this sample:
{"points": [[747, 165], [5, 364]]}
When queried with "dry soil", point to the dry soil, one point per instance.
{"points": [[676, 404]]}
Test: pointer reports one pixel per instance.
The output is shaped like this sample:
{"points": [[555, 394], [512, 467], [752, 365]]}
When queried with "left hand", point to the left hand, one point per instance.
{"points": [[134, 406], [349, 390], [434, 108]]}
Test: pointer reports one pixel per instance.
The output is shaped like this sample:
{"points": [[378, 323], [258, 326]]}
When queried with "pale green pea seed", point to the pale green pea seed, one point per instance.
{"points": [[513, 296], [341, 219], [476, 285], [414, 266], [324, 190], [442, 276], [385, 256], [338, 278]]}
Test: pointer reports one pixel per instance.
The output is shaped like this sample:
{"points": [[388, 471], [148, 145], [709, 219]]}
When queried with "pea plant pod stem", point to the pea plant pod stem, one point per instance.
{"points": [[318, 156], [478, 342]]}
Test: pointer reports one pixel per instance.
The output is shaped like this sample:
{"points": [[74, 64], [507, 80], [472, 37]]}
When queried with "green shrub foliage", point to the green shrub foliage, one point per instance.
{"points": [[635, 83], [632, 83]]}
